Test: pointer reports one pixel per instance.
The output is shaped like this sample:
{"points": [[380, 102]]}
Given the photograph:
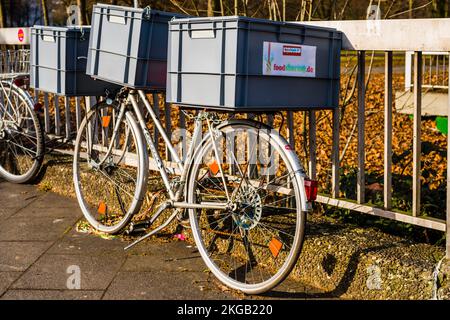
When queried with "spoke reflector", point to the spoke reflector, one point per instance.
{"points": [[105, 121], [102, 208], [214, 167], [275, 246]]}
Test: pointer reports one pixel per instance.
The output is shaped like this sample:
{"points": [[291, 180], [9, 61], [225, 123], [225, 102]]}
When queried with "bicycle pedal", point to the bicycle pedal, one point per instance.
{"points": [[138, 227]]}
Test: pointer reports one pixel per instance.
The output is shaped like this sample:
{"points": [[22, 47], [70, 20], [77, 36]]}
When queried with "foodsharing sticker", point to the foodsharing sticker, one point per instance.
{"points": [[290, 60]]}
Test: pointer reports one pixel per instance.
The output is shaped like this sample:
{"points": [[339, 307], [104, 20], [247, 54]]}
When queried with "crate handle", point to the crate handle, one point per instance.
{"points": [[202, 34], [115, 18], [48, 38]]}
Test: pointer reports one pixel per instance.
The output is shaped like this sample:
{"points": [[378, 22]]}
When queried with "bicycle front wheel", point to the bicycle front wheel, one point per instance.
{"points": [[21, 136], [110, 168], [252, 244]]}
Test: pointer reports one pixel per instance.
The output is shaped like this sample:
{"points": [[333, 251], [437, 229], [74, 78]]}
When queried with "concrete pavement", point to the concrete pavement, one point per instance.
{"points": [[42, 256]]}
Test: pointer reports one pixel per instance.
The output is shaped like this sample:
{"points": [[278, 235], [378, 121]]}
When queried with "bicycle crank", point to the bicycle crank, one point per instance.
{"points": [[163, 207]]}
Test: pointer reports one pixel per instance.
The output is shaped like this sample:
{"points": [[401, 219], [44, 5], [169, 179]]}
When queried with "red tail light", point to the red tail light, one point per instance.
{"points": [[311, 189]]}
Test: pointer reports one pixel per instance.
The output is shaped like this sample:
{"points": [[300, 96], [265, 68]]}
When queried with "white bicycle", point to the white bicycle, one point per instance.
{"points": [[240, 181], [21, 136]]}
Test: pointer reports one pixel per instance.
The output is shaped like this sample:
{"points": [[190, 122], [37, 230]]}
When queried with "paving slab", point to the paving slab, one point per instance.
{"points": [[6, 279], [52, 295], [54, 272], [177, 256], [53, 200], [34, 212], [75, 243], [28, 229], [17, 196], [18, 256], [5, 213], [163, 286]]}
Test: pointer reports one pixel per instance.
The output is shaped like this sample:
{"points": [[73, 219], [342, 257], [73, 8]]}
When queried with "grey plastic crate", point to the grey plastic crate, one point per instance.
{"points": [[128, 46], [58, 62], [222, 63]]}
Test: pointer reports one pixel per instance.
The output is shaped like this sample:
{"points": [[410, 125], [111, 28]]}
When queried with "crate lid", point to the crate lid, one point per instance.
{"points": [[248, 19], [139, 10], [70, 32], [57, 28]]}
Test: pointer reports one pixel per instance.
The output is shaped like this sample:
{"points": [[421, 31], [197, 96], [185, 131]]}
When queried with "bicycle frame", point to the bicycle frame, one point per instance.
{"points": [[175, 195]]}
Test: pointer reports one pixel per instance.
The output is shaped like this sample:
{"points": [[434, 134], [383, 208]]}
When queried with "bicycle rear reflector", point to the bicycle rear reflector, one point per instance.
{"points": [[311, 189], [275, 246]]}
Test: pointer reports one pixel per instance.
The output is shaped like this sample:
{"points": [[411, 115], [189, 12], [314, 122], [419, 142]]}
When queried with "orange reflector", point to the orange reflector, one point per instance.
{"points": [[102, 208], [214, 168], [105, 121], [275, 246]]}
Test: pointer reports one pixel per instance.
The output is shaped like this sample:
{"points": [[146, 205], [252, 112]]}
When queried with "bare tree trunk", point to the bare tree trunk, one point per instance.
{"points": [[411, 5], [245, 7], [214, 7], [236, 7], [222, 8], [2, 15], [82, 6], [45, 12]]}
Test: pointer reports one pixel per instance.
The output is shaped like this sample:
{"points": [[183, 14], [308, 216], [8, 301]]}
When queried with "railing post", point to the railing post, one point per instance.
{"points": [[417, 131], [335, 155], [408, 71], [361, 125], [312, 144], [447, 235], [46, 113], [168, 125], [290, 125], [57, 115], [78, 111], [388, 132], [67, 116]]}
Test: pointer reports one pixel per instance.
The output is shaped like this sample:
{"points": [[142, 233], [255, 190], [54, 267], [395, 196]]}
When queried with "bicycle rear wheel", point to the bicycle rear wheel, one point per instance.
{"points": [[110, 184], [21, 136], [253, 244]]}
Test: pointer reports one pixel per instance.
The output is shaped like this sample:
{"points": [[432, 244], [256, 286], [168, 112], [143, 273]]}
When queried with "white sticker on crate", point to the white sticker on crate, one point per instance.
{"points": [[290, 60]]}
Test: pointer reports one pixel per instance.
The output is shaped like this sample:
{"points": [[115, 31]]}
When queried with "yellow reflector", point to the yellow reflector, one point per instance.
{"points": [[275, 246]]}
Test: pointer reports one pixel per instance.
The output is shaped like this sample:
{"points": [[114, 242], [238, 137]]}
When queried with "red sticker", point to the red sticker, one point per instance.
{"points": [[21, 35], [288, 147], [292, 51]]}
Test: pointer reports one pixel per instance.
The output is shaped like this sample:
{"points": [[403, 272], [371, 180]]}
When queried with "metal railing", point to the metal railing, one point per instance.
{"points": [[389, 36], [435, 66]]}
